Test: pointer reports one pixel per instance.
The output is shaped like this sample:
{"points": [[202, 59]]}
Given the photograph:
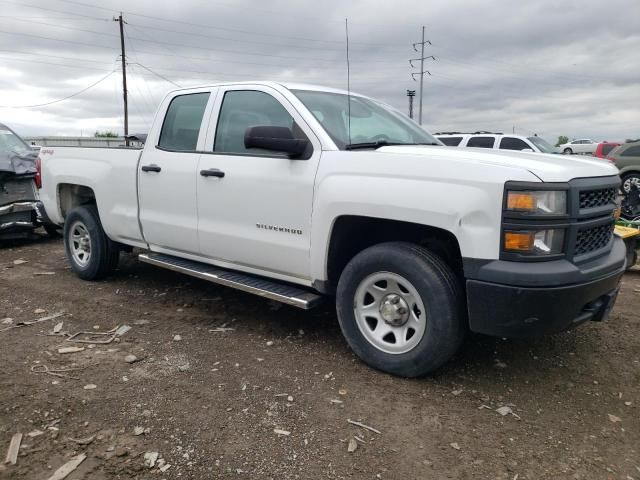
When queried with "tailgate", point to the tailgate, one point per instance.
{"points": [[17, 189]]}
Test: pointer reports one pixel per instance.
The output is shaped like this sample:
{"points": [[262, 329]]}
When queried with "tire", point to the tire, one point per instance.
{"points": [[567, 151], [630, 209], [425, 284], [90, 252]]}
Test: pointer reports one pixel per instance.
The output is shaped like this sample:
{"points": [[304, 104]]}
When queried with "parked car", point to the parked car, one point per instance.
{"points": [[627, 158], [18, 192], [603, 149], [498, 141], [20, 209], [266, 188], [584, 145]]}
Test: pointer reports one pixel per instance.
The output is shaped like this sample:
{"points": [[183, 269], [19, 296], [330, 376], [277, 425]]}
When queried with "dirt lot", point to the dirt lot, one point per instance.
{"points": [[208, 401]]}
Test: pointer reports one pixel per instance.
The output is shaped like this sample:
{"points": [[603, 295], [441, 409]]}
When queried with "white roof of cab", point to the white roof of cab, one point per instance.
{"points": [[287, 85]]}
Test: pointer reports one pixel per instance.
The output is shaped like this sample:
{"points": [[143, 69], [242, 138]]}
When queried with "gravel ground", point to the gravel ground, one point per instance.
{"points": [[226, 384]]}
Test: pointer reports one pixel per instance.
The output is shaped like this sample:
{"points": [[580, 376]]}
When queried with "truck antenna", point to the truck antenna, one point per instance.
{"points": [[346, 31]]}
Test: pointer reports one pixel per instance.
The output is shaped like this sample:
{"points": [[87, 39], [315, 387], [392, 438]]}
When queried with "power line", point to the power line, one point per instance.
{"points": [[253, 42], [182, 45], [151, 105], [46, 55], [235, 52], [30, 5], [62, 99], [212, 27], [158, 75], [65, 27], [81, 67], [204, 59], [57, 40]]}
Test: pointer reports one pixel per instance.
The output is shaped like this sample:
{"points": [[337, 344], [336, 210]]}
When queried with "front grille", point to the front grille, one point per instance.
{"points": [[597, 198], [17, 191], [592, 239]]}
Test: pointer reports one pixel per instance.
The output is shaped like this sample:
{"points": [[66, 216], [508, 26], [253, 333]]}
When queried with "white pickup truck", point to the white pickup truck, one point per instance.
{"points": [[295, 193]]}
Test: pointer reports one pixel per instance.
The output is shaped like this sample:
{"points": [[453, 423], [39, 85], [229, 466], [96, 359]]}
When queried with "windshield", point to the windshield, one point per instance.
{"points": [[543, 145], [371, 122], [11, 143]]}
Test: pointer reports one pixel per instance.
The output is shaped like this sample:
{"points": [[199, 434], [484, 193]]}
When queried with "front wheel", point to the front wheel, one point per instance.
{"points": [[630, 188], [401, 309], [91, 253], [567, 151]]}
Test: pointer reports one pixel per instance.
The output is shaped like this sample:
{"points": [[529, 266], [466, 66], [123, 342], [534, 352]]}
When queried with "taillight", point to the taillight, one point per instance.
{"points": [[38, 172]]}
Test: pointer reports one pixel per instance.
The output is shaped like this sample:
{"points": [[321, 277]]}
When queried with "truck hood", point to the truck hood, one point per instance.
{"points": [[547, 167]]}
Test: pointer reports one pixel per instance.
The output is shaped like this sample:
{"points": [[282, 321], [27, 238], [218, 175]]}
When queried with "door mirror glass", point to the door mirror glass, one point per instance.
{"points": [[277, 139]]}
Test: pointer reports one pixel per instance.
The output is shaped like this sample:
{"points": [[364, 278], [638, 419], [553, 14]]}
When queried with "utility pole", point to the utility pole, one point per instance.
{"points": [[124, 77], [411, 94], [422, 70]]}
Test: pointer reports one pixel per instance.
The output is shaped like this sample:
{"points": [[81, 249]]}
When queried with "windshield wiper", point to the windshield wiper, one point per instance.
{"points": [[380, 143]]}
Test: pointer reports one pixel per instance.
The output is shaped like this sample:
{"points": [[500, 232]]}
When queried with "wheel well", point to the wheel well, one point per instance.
{"points": [[629, 172], [71, 196], [352, 234]]}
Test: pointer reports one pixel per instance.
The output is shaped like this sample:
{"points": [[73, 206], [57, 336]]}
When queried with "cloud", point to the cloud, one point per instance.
{"points": [[543, 67]]}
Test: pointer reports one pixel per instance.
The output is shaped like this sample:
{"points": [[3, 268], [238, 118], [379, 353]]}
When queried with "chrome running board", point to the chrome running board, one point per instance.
{"points": [[263, 287]]}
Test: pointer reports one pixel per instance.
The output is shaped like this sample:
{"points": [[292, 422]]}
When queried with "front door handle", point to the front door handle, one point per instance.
{"points": [[212, 172], [151, 168]]}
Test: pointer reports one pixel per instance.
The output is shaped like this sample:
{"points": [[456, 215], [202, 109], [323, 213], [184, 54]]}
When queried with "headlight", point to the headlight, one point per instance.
{"points": [[535, 242], [541, 202]]}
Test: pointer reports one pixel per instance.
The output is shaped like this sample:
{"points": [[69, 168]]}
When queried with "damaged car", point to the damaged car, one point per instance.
{"points": [[20, 210]]}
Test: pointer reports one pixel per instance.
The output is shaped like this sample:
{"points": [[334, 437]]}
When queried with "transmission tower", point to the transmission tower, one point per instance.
{"points": [[422, 71]]}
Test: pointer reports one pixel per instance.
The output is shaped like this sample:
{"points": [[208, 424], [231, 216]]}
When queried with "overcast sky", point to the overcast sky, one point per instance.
{"points": [[549, 67]]}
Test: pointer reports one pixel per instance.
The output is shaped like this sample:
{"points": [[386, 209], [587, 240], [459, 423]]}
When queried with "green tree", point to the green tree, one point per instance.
{"points": [[562, 139], [105, 134]]}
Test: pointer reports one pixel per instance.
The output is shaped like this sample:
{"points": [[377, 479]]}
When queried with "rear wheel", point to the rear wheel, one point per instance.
{"points": [[91, 253], [567, 151], [401, 309]]}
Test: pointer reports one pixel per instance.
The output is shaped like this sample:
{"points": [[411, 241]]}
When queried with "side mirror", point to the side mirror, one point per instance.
{"points": [[278, 139], [528, 150], [137, 137]]}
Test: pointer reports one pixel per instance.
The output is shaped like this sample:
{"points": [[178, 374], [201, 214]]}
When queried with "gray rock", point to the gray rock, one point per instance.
{"points": [[130, 359]]}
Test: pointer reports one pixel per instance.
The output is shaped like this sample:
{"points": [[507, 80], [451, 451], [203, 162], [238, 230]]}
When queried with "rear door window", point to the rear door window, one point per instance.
{"points": [[182, 122], [481, 142], [512, 143], [450, 141]]}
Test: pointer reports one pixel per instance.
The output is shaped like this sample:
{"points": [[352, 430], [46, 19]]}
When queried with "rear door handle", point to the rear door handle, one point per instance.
{"points": [[212, 172], [151, 168]]}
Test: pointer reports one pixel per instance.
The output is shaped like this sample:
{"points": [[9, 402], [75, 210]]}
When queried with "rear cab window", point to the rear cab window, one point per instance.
{"points": [[182, 122], [481, 142]]}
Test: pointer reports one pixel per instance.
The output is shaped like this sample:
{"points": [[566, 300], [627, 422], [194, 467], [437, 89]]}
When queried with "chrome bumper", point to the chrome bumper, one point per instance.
{"points": [[22, 221], [18, 207]]}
